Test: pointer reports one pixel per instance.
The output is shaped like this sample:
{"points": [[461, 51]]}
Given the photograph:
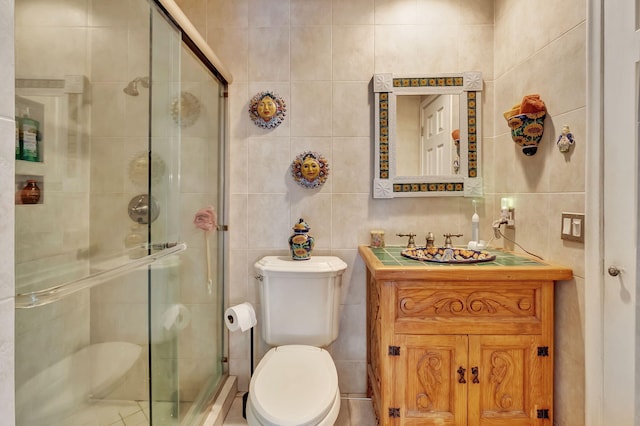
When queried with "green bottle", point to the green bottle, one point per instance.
{"points": [[29, 130], [18, 140]]}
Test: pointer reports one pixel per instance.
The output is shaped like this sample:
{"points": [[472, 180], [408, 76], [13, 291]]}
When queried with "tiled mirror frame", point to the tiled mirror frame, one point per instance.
{"points": [[468, 183]]}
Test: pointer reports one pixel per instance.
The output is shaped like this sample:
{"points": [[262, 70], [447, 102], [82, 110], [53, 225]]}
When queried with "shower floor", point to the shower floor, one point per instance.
{"points": [[121, 413]]}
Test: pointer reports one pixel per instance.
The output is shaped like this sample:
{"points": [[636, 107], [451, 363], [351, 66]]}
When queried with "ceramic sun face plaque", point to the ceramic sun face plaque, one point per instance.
{"points": [[310, 169], [267, 110]]}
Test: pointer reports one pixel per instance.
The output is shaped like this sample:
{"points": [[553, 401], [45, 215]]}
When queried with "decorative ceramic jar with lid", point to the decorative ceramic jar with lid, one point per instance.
{"points": [[301, 242]]}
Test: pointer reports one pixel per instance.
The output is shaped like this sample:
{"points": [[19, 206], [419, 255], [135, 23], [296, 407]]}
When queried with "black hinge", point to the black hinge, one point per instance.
{"points": [[394, 350], [543, 414], [394, 412], [543, 350]]}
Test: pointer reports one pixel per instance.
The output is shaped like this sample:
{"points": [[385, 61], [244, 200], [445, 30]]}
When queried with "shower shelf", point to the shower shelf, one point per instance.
{"points": [[55, 293]]}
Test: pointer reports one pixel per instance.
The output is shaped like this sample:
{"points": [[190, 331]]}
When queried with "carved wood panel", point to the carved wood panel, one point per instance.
{"points": [[429, 380], [509, 379], [456, 302]]}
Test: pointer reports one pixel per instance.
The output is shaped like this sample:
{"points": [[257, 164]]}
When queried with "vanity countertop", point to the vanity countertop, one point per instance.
{"points": [[388, 264]]}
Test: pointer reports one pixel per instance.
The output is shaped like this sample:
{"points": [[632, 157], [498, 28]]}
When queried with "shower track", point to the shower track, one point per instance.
{"points": [[55, 293]]}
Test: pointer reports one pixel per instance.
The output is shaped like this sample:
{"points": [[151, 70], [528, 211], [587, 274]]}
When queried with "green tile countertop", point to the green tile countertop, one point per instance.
{"points": [[390, 256], [388, 264]]}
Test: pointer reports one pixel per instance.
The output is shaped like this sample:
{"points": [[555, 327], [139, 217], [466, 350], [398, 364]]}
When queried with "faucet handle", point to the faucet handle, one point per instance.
{"points": [[430, 239], [411, 243], [447, 239]]}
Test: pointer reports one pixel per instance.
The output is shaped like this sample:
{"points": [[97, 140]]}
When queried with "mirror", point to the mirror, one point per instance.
{"points": [[416, 122]]}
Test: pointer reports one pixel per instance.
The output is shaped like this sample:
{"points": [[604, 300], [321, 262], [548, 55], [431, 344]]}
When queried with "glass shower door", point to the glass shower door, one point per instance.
{"points": [[185, 292]]}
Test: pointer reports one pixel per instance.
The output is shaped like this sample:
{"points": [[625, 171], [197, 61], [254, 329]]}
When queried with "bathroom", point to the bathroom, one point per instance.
{"points": [[320, 56]]}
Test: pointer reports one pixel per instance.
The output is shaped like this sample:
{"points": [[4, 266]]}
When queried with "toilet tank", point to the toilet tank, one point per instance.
{"points": [[300, 299]]}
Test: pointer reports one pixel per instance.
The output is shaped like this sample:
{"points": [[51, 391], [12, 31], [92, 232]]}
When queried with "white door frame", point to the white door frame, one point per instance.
{"points": [[594, 250]]}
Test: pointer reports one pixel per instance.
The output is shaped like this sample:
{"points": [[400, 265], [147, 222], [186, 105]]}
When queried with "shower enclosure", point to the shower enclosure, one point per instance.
{"points": [[119, 296]]}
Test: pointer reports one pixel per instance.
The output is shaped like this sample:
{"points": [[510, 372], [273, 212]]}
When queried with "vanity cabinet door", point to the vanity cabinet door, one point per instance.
{"points": [[510, 381], [431, 380]]}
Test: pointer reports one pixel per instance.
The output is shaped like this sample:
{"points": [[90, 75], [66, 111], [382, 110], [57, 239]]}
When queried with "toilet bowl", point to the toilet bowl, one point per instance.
{"points": [[294, 385]]}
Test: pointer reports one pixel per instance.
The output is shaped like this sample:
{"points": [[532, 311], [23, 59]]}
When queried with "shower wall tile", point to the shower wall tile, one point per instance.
{"points": [[108, 110], [65, 13], [41, 50], [108, 58]]}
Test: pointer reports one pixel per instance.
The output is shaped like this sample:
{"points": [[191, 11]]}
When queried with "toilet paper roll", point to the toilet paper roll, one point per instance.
{"points": [[240, 317]]}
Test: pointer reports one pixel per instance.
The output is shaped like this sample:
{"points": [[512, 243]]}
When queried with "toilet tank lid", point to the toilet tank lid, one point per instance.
{"points": [[313, 264]]}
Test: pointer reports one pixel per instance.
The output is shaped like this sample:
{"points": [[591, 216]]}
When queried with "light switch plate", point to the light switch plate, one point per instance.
{"points": [[572, 227]]}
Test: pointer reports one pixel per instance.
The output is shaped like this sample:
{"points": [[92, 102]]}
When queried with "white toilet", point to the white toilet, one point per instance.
{"points": [[296, 382]]}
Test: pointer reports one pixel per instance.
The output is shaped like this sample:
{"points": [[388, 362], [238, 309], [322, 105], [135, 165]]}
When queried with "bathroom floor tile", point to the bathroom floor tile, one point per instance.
{"points": [[354, 411]]}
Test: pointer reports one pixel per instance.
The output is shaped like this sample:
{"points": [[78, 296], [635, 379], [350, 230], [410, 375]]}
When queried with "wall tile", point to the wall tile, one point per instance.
{"points": [[7, 364], [352, 57], [273, 13], [7, 210], [226, 13], [311, 108], [269, 54], [231, 46], [268, 165], [355, 12], [316, 39], [352, 157], [310, 12], [350, 116]]}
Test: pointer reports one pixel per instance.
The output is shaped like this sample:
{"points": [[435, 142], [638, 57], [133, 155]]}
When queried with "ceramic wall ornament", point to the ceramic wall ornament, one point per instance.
{"points": [[267, 110], [310, 169], [526, 121], [185, 110], [565, 140]]}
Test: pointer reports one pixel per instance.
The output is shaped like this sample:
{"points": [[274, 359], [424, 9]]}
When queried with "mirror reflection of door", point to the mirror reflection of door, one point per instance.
{"points": [[436, 125]]}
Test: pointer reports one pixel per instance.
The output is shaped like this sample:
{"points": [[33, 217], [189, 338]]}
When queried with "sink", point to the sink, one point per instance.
{"points": [[447, 255]]}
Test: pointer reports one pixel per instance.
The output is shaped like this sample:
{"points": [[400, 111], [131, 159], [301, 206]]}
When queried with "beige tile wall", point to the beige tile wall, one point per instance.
{"points": [[320, 56], [7, 129], [548, 58]]}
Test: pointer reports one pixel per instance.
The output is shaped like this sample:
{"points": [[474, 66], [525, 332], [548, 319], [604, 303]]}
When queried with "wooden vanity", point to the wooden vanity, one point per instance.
{"points": [[467, 344]]}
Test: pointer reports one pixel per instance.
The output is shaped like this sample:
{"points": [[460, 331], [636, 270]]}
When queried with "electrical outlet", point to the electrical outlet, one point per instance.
{"points": [[572, 227]]}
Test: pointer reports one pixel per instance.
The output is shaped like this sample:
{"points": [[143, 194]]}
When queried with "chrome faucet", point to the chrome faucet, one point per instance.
{"points": [[447, 239], [411, 243]]}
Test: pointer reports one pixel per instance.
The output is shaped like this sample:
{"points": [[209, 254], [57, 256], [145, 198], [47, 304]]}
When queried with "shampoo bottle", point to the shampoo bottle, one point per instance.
{"points": [[29, 131], [475, 224], [18, 140]]}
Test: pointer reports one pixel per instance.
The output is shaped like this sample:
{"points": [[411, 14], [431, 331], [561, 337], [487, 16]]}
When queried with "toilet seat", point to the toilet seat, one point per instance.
{"points": [[295, 385]]}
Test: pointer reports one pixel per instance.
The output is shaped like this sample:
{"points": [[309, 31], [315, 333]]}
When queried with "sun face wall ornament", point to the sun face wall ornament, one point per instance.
{"points": [[185, 110], [310, 169], [267, 110]]}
